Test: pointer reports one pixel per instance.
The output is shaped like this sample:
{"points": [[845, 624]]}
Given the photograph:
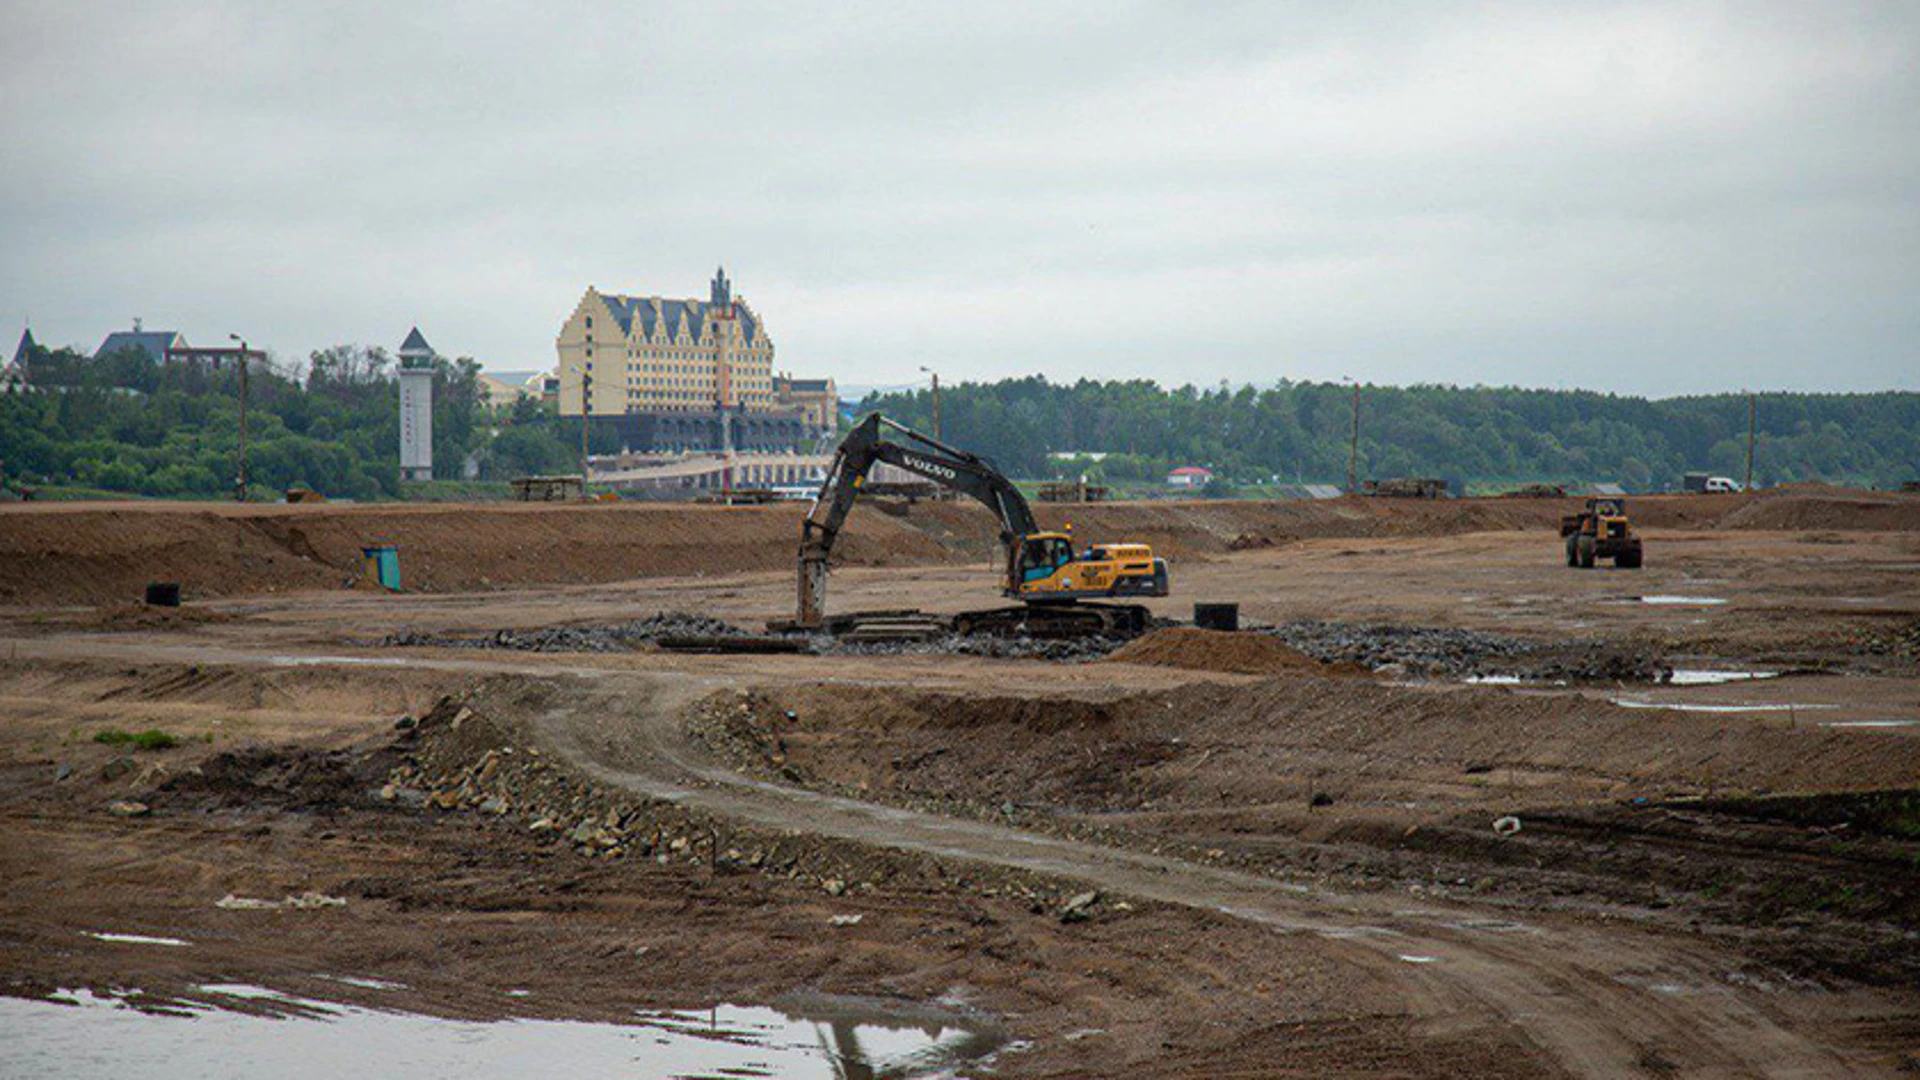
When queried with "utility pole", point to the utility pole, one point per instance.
{"points": [[586, 421], [1353, 443], [240, 481], [936, 399], [1752, 411]]}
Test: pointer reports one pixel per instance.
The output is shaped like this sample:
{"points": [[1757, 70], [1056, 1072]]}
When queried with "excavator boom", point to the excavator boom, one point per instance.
{"points": [[877, 439]]}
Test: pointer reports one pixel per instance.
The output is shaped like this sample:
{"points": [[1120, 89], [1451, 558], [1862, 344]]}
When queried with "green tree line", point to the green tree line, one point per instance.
{"points": [[125, 423], [1485, 436]]}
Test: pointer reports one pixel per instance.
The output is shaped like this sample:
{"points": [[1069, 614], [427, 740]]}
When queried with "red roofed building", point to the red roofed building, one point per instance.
{"points": [[1192, 476]]}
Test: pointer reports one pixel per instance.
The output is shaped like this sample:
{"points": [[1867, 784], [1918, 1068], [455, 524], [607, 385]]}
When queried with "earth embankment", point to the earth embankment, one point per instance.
{"points": [[79, 553]]}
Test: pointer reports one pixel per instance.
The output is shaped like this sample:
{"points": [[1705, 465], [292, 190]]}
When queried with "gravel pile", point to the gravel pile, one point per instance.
{"points": [[619, 637], [1067, 650], [1420, 650], [1447, 653]]}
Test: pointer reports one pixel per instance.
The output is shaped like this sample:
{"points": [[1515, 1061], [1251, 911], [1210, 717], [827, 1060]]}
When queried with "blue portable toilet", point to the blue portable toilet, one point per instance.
{"points": [[383, 564]]}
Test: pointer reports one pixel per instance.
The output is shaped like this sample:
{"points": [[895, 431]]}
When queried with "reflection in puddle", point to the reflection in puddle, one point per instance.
{"points": [[81, 1034], [137, 939], [1871, 723], [1687, 706], [1701, 677], [1702, 601]]}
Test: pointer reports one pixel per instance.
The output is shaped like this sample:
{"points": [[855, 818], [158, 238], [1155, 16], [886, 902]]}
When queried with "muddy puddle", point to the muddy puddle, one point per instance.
{"points": [[1700, 707], [1706, 677], [1676, 677], [243, 1031]]}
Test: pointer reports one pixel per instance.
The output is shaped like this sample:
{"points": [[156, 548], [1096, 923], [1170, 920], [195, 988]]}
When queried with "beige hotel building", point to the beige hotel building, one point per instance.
{"points": [[668, 373]]}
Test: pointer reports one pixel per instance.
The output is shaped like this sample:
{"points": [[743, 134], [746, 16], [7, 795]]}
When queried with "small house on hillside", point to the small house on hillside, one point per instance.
{"points": [[1191, 476], [154, 343]]}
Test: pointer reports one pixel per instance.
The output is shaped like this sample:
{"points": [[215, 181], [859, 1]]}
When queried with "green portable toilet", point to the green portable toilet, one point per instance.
{"points": [[383, 565]]}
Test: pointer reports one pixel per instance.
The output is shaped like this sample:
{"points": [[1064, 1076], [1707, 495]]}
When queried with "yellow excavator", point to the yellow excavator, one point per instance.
{"points": [[1052, 580]]}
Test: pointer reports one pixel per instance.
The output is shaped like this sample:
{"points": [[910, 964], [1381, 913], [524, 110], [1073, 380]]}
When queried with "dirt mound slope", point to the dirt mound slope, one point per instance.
{"points": [[105, 553], [78, 554], [1822, 508], [1245, 653]]}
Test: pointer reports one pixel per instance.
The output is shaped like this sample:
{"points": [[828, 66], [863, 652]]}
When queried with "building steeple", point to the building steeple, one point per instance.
{"points": [[722, 295]]}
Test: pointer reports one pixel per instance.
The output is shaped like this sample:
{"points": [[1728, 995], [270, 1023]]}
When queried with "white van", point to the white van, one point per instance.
{"points": [[1718, 485]]}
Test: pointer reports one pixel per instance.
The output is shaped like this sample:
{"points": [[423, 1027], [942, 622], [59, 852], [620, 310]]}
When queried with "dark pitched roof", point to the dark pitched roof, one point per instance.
{"points": [[25, 351], [416, 344], [676, 313], [154, 343]]}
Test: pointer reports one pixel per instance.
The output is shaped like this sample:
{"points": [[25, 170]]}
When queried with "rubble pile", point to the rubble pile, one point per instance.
{"points": [[1417, 650], [1446, 652], [620, 637], [1068, 650]]}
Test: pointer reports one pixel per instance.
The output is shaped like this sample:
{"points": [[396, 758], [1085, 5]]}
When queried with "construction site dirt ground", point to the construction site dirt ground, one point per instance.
{"points": [[1205, 856]]}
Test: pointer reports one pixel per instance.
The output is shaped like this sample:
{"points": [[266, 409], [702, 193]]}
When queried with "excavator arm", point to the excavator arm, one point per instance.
{"points": [[869, 444]]}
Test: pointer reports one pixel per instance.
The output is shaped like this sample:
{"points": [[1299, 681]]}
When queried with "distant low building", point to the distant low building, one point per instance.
{"points": [[154, 343], [816, 399], [1191, 476], [502, 390]]}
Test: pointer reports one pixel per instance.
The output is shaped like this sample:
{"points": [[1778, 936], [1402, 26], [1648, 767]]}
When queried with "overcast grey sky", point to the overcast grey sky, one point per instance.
{"points": [[1652, 198]]}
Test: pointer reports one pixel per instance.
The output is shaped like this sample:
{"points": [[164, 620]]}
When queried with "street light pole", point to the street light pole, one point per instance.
{"points": [[936, 399], [1752, 411], [586, 420], [240, 481], [1353, 442]]}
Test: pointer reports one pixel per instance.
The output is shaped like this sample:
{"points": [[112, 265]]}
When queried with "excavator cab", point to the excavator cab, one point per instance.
{"points": [[1042, 556]]}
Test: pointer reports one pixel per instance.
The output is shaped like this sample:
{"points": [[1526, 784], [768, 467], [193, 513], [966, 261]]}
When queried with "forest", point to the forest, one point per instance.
{"points": [[1486, 437], [125, 424]]}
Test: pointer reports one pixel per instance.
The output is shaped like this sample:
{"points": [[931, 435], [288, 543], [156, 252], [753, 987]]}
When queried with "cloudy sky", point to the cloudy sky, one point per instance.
{"points": [[1651, 198]]}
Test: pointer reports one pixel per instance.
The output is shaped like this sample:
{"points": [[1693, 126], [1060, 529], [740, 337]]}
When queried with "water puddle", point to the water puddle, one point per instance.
{"points": [[364, 983], [1494, 680], [1693, 601], [1703, 677], [1871, 723], [1688, 706], [138, 939], [85, 1035], [1415, 958]]}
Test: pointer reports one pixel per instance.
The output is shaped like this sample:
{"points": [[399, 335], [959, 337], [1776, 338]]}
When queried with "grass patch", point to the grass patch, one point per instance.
{"points": [[150, 739]]}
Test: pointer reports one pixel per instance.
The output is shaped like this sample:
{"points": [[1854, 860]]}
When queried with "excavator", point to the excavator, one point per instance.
{"points": [[1042, 569]]}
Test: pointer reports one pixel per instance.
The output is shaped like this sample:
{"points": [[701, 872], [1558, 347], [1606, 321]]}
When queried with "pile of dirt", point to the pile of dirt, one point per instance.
{"points": [[1821, 509], [299, 780], [1245, 652]]}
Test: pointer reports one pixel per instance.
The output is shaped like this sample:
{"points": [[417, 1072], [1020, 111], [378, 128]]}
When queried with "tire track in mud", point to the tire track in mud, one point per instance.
{"points": [[1620, 1001]]}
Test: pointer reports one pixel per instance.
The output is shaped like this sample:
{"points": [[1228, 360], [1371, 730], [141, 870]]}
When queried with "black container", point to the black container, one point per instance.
{"points": [[163, 594], [1216, 616]]}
